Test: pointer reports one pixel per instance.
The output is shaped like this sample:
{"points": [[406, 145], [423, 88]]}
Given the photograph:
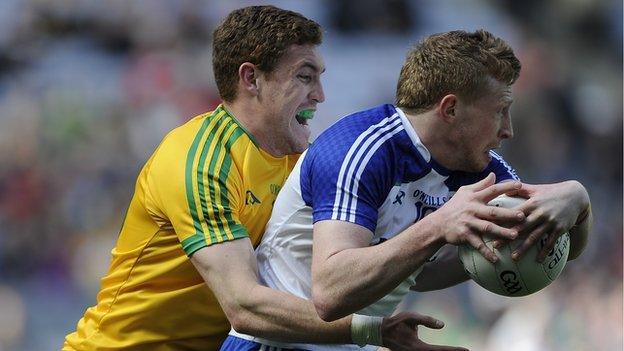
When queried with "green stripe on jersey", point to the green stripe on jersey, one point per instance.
{"points": [[197, 240], [193, 243], [215, 138], [237, 230]]}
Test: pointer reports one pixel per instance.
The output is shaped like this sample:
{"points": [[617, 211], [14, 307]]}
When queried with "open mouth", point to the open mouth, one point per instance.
{"points": [[301, 120], [304, 115]]}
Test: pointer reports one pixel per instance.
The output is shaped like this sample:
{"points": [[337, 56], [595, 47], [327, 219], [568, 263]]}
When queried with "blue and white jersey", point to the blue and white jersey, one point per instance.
{"points": [[369, 168]]}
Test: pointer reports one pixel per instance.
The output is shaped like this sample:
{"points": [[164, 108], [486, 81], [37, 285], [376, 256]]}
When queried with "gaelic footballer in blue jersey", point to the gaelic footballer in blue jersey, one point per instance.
{"points": [[455, 92], [377, 203]]}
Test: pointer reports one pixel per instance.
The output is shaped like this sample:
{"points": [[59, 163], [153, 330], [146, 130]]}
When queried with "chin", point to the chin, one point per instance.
{"points": [[301, 147], [485, 161], [478, 165], [296, 146], [300, 142]]}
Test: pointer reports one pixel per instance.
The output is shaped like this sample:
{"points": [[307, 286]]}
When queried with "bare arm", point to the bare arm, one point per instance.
{"points": [[579, 234], [348, 274], [230, 270]]}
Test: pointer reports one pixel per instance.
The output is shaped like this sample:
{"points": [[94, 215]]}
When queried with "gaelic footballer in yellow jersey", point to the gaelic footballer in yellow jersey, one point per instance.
{"points": [[207, 183]]}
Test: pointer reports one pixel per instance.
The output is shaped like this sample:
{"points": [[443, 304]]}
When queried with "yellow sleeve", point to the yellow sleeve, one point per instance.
{"points": [[195, 181]]}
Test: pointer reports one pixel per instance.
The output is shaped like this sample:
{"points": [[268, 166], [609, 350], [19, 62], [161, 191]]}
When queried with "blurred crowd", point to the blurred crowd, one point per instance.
{"points": [[88, 89]]}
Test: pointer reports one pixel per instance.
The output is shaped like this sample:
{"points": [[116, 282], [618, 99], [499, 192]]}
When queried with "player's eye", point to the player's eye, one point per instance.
{"points": [[305, 78]]}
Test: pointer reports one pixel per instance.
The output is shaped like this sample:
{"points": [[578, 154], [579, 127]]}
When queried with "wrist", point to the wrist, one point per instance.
{"points": [[429, 230], [366, 330]]}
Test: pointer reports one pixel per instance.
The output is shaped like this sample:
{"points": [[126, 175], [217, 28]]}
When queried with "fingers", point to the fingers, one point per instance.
{"points": [[515, 193], [407, 338], [414, 319], [429, 322], [491, 192], [531, 240], [525, 191], [483, 183], [479, 245], [490, 229], [498, 243], [500, 214], [549, 246]]}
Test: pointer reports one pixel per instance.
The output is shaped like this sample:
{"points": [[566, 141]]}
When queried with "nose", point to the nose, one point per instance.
{"points": [[506, 131], [317, 94]]}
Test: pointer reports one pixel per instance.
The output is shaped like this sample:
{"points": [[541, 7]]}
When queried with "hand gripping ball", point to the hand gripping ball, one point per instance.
{"points": [[515, 278]]}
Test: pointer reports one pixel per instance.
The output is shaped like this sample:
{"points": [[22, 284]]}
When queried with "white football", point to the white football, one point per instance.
{"points": [[515, 278]]}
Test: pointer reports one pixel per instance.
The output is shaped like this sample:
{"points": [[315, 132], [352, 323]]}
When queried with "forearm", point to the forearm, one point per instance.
{"points": [[230, 271], [354, 278], [579, 234], [280, 316], [580, 231], [444, 271]]}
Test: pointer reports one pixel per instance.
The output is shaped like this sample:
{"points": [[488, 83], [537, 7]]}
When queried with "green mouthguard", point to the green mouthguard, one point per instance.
{"points": [[306, 114]]}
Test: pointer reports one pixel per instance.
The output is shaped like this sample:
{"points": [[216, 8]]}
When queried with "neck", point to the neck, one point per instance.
{"points": [[437, 137], [252, 120]]}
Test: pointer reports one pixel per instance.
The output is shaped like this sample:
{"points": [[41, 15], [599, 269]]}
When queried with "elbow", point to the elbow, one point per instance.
{"points": [[239, 312], [326, 307], [239, 320], [326, 312], [330, 301]]}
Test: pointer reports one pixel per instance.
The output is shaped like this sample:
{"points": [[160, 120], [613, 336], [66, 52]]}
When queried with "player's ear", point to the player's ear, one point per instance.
{"points": [[447, 108], [248, 78]]}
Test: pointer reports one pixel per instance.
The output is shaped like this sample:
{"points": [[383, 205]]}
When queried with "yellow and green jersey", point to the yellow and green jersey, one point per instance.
{"points": [[208, 182]]}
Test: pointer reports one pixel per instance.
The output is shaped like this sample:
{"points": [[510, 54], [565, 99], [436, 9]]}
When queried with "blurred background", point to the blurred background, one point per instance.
{"points": [[88, 88]]}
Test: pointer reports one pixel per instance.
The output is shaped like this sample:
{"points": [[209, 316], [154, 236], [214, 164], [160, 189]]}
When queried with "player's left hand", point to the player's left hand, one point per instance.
{"points": [[551, 210]]}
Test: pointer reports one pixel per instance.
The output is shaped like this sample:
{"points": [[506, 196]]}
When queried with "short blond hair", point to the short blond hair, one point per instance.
{"points": [[456, 62]]}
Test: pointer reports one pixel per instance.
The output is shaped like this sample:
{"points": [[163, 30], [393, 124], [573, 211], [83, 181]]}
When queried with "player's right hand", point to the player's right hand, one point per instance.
{"points": [[400, 333], [466, 217]]}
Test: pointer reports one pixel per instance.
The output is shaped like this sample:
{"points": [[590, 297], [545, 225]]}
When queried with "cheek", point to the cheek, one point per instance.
{"points": [[289, 97], [477, 134], [488, 130]]}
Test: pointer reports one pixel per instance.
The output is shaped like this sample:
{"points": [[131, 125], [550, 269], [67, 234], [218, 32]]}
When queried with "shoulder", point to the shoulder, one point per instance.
{"points": [[208, 132], [356, 134], [362, 123], [356, 158], [203, 145], [214, 134]]}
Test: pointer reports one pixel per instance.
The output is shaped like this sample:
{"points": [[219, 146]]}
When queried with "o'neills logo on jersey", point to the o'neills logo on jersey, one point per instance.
{"points": [[429, 200], [426, 204], [250, 198]]}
